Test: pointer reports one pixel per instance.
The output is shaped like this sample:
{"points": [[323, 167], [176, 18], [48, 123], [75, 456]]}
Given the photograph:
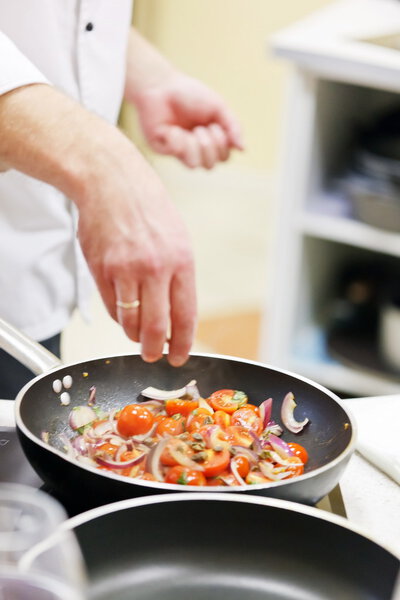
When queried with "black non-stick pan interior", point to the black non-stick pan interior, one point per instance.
{"points": [[181, 549], [119, 380]]}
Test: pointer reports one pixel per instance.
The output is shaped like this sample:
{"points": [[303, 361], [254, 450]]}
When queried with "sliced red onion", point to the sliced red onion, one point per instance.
{"points": [[102, 428], [243, 451], [215, 436], [268, 469], [204, 404], [192, 390], [288, 406], [117, 464], [92, 396], [235, 472], [81, 416], [119, 452], [153, 405], [265, 411], [80, 444], [153, 459], [277, 458], [272, 427], [144, 436], [280, 446], [157, 394], [257, 446], [183, 459]]}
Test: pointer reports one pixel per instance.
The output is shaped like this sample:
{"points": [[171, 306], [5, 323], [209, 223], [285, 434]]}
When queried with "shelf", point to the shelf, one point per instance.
{"points": [[349, 231], [337, 44], [311, 359]]}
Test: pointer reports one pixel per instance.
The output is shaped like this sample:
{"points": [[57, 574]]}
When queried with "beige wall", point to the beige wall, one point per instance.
{"points": [[225, 43]]}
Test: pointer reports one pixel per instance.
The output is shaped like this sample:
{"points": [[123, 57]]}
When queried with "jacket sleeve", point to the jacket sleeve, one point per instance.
{"points": [[15, 69]]}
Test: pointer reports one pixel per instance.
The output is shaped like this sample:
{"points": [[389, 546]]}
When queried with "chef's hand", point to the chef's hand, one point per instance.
{"points": [[137, 248], [179, 115], [131, 234]]}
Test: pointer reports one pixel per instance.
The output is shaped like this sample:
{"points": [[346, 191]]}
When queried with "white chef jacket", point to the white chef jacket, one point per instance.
{"points": [[79, 47]]}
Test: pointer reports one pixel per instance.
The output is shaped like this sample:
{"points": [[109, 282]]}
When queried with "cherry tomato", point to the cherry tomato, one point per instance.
{"points": [[134, 420], [254, 408], [180, 446], [129, 455], [110, 449], [246, 417], [239, 436], [242, 465], [215, 462], [199, 420], [185, 476], [296, 469], [256, 477], [227, 400], [171, 425], [299, 451], [222, 418], [182, 407]]}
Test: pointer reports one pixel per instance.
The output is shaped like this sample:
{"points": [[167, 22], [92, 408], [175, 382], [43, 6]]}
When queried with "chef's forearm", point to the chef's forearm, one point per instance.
{"points": [[146, 67], [46, 135]]}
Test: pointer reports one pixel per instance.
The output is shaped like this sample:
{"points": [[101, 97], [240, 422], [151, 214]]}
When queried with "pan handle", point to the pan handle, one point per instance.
{"points": [[28, 352]]}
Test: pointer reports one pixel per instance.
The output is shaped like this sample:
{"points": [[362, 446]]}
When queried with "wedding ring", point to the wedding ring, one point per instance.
{"points": [[134, 304]]}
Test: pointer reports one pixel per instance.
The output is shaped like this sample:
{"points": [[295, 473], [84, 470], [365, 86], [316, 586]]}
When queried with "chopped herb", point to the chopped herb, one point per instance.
{"points": [[239, 397], [183, 479]]}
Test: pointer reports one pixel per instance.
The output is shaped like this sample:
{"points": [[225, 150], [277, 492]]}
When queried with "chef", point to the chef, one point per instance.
{"points": [[76, 196]]}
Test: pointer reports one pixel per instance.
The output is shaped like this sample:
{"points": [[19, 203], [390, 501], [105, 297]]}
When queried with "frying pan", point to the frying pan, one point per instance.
{"points": [[215, 546], [329, 437]]}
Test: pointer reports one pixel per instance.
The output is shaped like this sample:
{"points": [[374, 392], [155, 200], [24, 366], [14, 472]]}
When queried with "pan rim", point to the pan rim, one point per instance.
{"points": [[286, 505], [176, 487]]}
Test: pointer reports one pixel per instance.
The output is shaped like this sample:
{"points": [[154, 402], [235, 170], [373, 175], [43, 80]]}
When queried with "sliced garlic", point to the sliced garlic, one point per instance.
{"points": [[57, 386], [67, 381]]}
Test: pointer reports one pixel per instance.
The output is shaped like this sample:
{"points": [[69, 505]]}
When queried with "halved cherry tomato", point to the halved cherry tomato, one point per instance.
{"points": [[182, 407], [215, 462], [296, 469], [299, 451], [256, 477], [246, 417], [227, 400], [225, 478], [171, 425], [180, 446], [222, 418], [110, 449], [199, 420], [129, 455], [134, 419], [239, 436], [254, 408], [242, 465], [185, 476]]}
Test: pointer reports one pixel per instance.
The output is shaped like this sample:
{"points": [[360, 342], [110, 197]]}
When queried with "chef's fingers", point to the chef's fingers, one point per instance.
{"points": [[128, 307], [207, 147], [220, 140], [154, 319], [223, 117], [183, 315]]}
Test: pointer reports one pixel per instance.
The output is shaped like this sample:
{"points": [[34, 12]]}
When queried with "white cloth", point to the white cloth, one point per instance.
{"points": [[43, 275]]}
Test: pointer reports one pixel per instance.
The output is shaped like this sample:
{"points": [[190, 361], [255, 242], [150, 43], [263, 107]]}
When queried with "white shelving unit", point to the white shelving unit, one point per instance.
{"points": [[345, 68]]}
